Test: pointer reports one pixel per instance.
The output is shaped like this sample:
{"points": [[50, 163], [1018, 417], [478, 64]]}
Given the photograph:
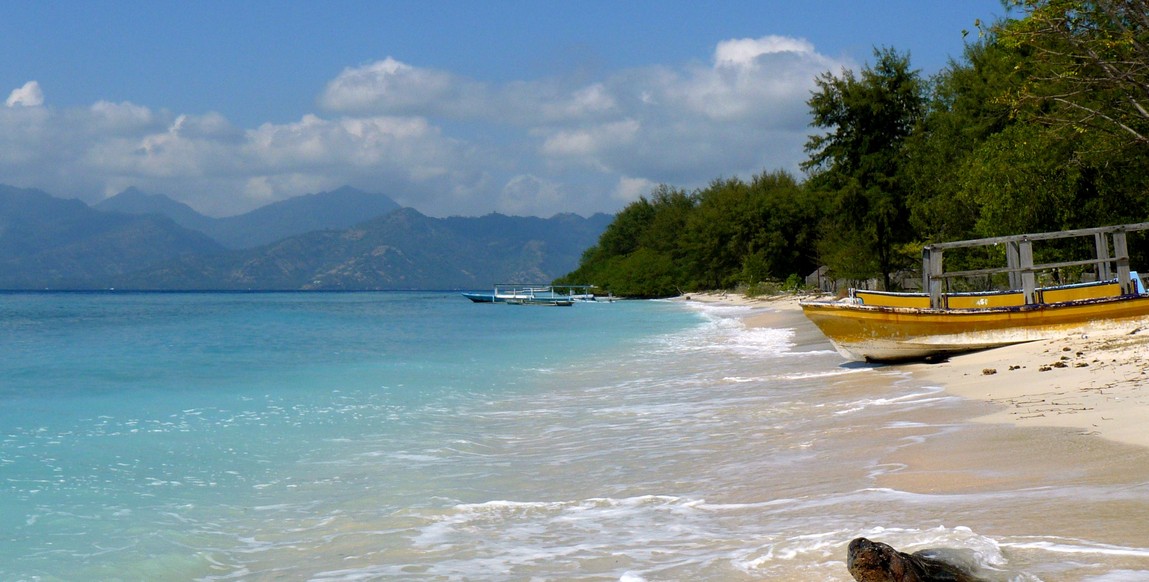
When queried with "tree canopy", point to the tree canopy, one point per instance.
{"points": [[1087, 62], [858, 164]]}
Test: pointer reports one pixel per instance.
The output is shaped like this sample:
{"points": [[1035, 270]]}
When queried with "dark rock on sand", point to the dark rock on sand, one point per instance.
{"points": [[877, 562]]}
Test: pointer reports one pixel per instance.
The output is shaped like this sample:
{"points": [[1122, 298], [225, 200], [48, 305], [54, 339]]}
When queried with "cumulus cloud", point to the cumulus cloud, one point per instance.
{"points": [[744, 112], [591, 140], [120, 118], [743, 52], [220, 169], [630, 189], [29, 95], [528, 194], [442, 142], [395, 88]]}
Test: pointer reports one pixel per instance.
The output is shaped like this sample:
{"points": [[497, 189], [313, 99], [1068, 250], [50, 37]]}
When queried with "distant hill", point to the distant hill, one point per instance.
{"points": [[402, 250], [48, 242], [52, 242], [566, 236], [337, 209], [134, 201]]}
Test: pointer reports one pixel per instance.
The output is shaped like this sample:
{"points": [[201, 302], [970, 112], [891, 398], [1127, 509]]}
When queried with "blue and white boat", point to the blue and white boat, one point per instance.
{"points": [[518, 294]]}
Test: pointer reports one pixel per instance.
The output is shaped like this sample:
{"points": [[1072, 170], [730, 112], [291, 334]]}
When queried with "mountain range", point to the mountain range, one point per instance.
{"points": [[344, 239], [341, 208]]}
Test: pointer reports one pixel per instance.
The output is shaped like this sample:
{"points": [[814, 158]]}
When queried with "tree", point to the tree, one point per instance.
{"points": [[1020, 181], [859, 161], [639, 253], [719, 233], [1088, 64], [964, 110], [790, 224]]}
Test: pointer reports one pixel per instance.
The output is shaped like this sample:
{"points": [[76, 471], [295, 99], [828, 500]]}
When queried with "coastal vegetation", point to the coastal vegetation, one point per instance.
{"points": [[1041, 125]]}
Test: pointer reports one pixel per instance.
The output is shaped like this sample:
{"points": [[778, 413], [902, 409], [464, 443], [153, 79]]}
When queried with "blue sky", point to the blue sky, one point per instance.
{"points": [[453, 108]]}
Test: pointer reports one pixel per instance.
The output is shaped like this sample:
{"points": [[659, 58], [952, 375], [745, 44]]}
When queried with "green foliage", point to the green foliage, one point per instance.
{"points": [[1020, 182], [755, 267], [794, 282], [761, 288], [1088, 63], [859, 163], [729, 233], [964, 110], [648, 273]]}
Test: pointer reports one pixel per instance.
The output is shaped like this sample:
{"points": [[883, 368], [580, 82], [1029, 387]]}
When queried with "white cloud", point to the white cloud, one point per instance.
{"points": [[393, 87], [29, 95], [591, 140], [441, 142], [110, 119], [530, 195], [744, 52], [744, 113], [630, 189]]}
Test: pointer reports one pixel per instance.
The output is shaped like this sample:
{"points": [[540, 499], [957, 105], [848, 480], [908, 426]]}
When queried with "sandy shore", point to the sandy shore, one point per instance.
{"points": [[1092, 383]]}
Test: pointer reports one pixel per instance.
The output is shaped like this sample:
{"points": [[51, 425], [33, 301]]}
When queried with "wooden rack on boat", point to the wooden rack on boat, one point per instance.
{"points": [[1019, 258]]}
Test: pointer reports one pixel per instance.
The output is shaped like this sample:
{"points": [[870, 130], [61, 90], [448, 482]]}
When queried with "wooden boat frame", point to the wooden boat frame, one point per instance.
{"points": [[1019, 258], [883, 326]]}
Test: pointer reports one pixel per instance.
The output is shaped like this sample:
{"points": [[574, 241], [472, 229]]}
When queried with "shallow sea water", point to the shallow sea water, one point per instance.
{"points": [[419, 436]]}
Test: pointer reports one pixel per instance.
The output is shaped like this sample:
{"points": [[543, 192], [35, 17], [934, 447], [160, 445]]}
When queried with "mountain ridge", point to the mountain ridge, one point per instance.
{"points": [[48, 242], [404, 250], [335, 209], [51, 242]]}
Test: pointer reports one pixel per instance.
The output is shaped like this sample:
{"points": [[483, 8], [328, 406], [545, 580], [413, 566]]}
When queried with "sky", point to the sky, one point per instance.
{"points": [[449, 107]]}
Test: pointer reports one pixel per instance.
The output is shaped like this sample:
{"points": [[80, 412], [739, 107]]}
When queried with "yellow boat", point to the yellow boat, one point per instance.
{"points": [[888, 327]]}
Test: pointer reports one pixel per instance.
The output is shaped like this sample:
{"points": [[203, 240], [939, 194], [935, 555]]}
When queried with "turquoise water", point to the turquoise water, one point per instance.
{"points": [[141, 429], [418, 436]]}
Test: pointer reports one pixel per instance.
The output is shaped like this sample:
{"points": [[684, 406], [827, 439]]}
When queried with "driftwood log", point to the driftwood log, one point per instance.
{"points": [[877, 562]]}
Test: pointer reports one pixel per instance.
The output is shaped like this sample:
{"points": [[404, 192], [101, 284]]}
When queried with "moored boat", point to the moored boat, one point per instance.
{"points": [[480, 297], [886, 327], [518, 294], [548, 301]]}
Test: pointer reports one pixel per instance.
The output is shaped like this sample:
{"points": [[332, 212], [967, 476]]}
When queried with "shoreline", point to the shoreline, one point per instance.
{"points": [[1086, 383]]}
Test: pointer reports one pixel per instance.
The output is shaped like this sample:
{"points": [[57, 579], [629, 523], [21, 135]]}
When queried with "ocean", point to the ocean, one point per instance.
{"points": [[418, 436]]}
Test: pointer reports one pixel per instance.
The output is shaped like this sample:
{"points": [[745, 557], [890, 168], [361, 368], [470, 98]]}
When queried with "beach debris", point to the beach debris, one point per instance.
{"points": [[988, 371], [870, 561], [1012, 368]]}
